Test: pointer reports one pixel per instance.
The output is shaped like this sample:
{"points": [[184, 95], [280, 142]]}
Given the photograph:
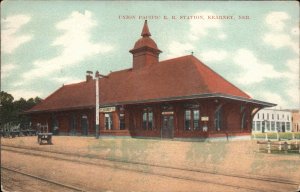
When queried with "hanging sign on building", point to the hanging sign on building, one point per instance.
{"points": [[205, 118], [107, 109], [167, 113]]}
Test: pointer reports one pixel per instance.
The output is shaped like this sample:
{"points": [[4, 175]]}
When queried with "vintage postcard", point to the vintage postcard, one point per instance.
{"points": [[150, 96]]}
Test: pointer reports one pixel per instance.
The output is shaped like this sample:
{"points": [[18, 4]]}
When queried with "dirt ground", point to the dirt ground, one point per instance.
{"points": [[17, 182], [234, 157]]}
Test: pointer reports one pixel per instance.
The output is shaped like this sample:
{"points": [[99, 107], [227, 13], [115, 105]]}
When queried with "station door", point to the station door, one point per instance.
{"points": [[167, 126]]}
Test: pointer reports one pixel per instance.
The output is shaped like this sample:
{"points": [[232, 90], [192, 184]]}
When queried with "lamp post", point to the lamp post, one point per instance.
{"points": [[97, 75]]}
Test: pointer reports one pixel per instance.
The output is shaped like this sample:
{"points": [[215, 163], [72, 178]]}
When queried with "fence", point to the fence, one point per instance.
{"points": [[278, 142], [279, 146]]}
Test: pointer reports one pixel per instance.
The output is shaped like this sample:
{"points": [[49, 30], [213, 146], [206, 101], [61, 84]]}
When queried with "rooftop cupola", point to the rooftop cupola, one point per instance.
{"points": [[145, 51]]}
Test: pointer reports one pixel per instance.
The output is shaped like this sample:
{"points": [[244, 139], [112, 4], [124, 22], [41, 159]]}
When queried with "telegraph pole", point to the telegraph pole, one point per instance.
{"points": [[97, 75]]}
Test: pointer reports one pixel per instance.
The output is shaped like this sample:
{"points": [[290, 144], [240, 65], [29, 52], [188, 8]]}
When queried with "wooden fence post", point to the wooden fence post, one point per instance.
{"points": [[269, 146], [285, 147], [279, 146]]}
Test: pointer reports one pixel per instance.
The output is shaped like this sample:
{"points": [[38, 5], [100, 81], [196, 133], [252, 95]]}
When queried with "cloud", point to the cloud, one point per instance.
{"points": [[292, 76], [253, 70], [276, 36], [10, 39], [222, 36], [66, 80], [76, 44], [6, 69], [213, 55], [295, 31], [279, 40], [276, 20], [273, 98], [198, 28], [201, 28], [177, 49]]}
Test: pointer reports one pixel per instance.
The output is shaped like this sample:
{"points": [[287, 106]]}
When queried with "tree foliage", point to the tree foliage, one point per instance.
{"points": [[13, 111]]}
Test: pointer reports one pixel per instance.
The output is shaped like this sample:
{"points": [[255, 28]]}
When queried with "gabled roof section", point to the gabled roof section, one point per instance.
{"points": [[73, 96], [177, 77]]}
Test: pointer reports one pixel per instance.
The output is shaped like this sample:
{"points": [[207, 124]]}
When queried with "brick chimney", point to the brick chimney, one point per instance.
{"points": [[89, 75]]}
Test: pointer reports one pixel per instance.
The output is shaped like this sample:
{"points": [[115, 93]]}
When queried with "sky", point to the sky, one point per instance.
{"points": [[48, 44]]}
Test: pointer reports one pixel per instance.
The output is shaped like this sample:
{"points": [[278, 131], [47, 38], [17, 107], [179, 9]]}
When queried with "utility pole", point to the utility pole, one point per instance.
{"points": [[97, 75]]}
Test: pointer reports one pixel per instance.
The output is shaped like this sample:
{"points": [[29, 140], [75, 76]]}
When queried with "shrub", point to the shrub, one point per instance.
{"points": [[297, 135], [285, 135]]}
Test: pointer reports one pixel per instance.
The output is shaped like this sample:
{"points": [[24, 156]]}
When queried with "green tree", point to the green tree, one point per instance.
{"points": [[13, 111], [6, 107]]}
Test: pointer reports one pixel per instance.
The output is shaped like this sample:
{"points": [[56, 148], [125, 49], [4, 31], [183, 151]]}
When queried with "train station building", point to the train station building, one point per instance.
{"points": [[175, 98]]}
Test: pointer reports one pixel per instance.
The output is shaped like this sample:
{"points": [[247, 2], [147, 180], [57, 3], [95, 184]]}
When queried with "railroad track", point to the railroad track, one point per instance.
{"points": [[160, 170], [62, 185]]}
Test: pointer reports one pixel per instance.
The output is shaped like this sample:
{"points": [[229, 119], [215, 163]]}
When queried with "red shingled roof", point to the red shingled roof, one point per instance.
{"points": [[74, 96], [179, 77]]}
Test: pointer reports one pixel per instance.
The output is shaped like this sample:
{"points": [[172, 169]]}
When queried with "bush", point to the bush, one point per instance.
{"points": [[259, 135], [297, 135], [272, 135], [286, 135]]}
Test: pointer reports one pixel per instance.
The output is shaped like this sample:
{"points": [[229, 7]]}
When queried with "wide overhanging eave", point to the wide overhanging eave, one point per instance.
{"points": [[195, 96]]}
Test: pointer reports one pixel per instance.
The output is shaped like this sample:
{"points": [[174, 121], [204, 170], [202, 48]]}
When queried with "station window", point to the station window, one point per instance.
{"points": [[72, 124], [55, 124], [218, 119], [257, 115], [122, 121], [263, 116], [277, 116], [244, 122], [147, 119], [267, 116], [192, 119], [108, 121], [272, 116]]}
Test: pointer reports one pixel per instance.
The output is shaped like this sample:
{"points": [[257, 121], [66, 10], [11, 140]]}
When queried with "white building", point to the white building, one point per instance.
{"points": [[272, 120]]}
